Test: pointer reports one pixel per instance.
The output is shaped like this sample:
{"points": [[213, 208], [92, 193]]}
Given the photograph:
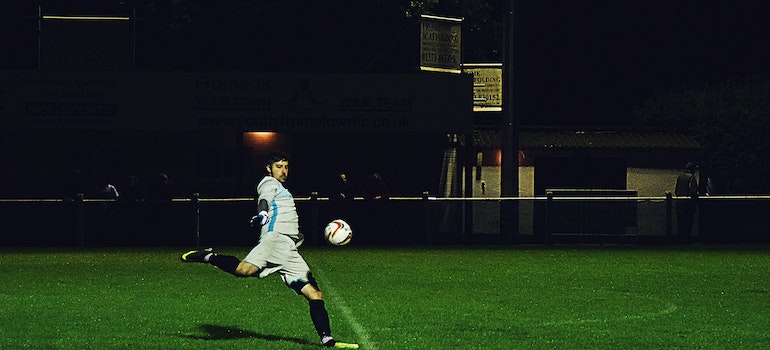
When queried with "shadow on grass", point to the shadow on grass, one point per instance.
{"points": [[214, 332]]}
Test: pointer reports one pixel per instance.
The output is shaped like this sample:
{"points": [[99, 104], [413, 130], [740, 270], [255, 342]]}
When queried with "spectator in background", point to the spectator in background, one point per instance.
{"points": [[132, 191], [711, 181], [107, 190], [105, 222], [687, 188], [162, 189], [342, 188], [160, 210], [377, 193], [377, 189], [711, 213], [130, 216], [73, 185]]}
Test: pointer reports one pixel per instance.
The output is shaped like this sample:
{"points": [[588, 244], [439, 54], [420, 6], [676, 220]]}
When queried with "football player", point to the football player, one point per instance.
{"points": [[277, 248]]}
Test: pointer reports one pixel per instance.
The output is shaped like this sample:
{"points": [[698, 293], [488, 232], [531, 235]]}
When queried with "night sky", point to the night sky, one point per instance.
{"points": [[585, 62], [580, 62]]}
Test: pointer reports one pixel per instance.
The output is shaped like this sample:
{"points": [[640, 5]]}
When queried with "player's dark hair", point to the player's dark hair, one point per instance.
{"points": [[276, 156]]}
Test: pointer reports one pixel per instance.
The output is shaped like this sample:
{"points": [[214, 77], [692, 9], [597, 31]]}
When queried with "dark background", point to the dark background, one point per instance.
{"points": [[580, 63]]}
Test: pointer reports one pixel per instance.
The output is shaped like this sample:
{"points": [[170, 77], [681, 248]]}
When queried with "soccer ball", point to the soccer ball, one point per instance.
{"points": [[338, 232]]}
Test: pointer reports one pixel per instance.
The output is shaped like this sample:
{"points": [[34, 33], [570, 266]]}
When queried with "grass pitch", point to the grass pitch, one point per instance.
{"points": [[517, 297]]}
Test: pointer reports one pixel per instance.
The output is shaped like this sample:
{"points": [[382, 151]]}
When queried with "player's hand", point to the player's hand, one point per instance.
{"points": [[260, 219]]}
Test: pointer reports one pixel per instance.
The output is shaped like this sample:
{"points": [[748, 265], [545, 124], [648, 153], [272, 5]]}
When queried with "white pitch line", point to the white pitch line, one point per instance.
{"points": [[670, 308], [361, 333]]}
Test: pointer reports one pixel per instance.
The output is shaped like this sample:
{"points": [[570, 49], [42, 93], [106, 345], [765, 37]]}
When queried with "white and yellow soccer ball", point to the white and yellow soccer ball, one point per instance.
{"points": [[338, 232]]}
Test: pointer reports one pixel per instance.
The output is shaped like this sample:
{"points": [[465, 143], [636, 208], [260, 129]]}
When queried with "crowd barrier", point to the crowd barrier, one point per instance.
{"points": [[425, 220]]}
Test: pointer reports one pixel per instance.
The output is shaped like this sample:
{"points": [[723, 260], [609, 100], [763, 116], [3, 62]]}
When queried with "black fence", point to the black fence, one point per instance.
{"points": [[398, 221]]}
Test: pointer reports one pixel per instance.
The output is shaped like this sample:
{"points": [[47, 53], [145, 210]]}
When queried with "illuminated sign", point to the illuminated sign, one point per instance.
{"points": [[440, 44], [487, 86]]}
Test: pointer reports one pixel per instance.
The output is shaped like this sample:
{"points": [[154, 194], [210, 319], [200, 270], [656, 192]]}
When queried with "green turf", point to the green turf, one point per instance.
{"points": [[519, 297]]}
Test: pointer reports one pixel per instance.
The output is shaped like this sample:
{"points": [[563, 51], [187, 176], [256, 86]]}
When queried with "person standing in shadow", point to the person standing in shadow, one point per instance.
{"points": [[342, 188], [687, 189], [377, 189]]}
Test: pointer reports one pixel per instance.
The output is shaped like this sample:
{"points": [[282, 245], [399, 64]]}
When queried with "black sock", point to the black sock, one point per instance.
{"points": [[225, 263], [320, 318]]}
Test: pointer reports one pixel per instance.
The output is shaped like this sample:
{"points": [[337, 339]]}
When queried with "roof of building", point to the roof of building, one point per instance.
{"points": [[556, 139]]}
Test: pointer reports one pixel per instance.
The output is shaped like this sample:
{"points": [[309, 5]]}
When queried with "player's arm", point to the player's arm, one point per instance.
{"points": [[266, 191], [262, 217], [262, 206]]}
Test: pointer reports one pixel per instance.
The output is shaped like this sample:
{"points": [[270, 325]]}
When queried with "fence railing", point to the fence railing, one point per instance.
{"points": [[425, 220]]}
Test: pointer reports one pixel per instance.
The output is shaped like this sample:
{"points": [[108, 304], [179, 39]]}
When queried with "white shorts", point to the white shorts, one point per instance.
{"points": [[278, 253]]}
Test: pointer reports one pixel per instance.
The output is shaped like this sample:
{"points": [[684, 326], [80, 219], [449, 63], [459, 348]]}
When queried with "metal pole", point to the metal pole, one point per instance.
{"points": [[426, 216], [315, 227], [469, 160], [669, 215], [547, 237], [197, 212], [80, 220], [509, 133], [133, 38], [39, 36]]}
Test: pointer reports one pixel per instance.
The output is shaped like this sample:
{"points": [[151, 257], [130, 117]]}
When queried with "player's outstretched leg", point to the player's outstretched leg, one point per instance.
{"points": [[226, 263], [200, 256]]}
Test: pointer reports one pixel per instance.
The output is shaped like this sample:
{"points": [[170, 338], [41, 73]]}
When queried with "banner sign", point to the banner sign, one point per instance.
{"points": [[235, 101], [440, 44], [85, 43], [487, 86]]}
